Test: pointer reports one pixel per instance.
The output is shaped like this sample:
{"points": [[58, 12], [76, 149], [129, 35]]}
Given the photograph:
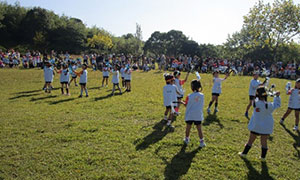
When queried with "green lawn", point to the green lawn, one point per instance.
{"points": [[50, 136]]}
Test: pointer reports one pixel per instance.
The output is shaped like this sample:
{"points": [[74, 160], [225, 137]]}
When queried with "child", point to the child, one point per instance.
{"points": [[261, 123], [127, 78], [64, 79], [252, 90], [83, 80], [216, 90], [179, 84], [72, 69], [194, 111], [48, 75], [105, 74], [170, 96], [122, 71], [115, 79], [294, 104]]}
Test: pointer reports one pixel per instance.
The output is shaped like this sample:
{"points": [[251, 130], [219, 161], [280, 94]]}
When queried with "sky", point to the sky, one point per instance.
{"points": [[204, 21]]}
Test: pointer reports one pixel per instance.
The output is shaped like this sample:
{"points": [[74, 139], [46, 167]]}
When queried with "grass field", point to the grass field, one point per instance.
{"points": [[50, 136]]}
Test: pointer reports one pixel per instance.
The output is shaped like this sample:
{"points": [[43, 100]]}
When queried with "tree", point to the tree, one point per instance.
{"points": [[272, 26], [101, 41]]}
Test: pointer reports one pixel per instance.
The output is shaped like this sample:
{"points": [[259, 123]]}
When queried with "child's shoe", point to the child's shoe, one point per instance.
{"points": [[80, 96], [186, 140], [295, 128], [216, 110], [242, 155], [208, 110], [281, 121], [166, 118], [202, 144]]}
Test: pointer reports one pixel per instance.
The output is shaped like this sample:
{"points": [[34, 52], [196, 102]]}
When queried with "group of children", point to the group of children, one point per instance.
{"points": [[67, 70], [261, 122]]}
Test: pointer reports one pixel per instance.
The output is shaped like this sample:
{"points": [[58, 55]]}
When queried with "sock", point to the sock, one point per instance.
{"points": [[216, 105], [202, 140], [67, 89], [246, 149], [86, 92], [62, 90], [264, 152], [81, 91], [210, 103], [169, 122]]}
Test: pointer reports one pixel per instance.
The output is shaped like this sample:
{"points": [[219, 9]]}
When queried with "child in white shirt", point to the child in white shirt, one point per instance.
{"points": [[194, 111], [64, 79], [122, 71], [294, 104], [105, 74], [127, 78], [261, 123], [170, 96], [83, 80], [72, 69], [179, 84], [48, 75], [115, 79], [252, 91], [216, 90]]}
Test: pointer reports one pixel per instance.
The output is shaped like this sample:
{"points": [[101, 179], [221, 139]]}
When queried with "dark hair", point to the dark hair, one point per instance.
{"points": [[84, 65], [196, 85], [216, 71], [261, 93], [168, 78], [298, 80], [176, 73]]}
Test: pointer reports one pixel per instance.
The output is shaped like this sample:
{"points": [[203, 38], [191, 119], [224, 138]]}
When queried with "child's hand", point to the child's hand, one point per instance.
{"points": [[277, 93]]}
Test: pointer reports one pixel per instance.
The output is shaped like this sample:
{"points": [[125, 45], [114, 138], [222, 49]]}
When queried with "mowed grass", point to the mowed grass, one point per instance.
{"points": [[50, 136]]}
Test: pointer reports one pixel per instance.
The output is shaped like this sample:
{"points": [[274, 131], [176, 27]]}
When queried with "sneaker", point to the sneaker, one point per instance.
{"points": [[281, 121], [202, 144], [295, 128], [76, 84], [87, 96], [208, 110], [246, 115], [242, 155], [216, 110], [186, 141], [166, 118], [80, 96]]}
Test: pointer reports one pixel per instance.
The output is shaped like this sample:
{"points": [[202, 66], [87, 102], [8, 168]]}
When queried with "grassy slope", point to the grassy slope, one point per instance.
{"points": [[57, 137]]}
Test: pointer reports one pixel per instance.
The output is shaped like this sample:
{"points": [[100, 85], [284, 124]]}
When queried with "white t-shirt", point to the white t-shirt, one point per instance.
{"points": [[48, 74], [127, 74], [253, 86], [122, 71], [262, 121], [179, 87], [105, 72], [115, 78], [170, 95], [194, 107], [64, 75], [217, 87], [83, 77], [294, 100]]}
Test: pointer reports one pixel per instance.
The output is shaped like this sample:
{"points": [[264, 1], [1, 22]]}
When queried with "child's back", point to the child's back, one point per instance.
{"points": [[194, 107]]}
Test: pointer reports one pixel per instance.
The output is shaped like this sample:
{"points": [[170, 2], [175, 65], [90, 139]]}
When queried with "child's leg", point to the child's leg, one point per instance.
{"points": [[81, 90], [167, 111], [75, 81], [123, 82], [264, 145], [86, 91], [62, 88], [199, 129], [119, 88], [213, 98], [129, 86], [286, 114], [113, 90], [49, 87], [106, 81], [297, 117], [71, 80], [249, 105], [67, 89], [249, 143], [103, 82], [187, 130], [178, 105], [216, 103]]}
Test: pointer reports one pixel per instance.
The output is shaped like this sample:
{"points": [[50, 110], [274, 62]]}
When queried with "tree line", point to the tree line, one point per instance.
{"points": [[269, 32]]}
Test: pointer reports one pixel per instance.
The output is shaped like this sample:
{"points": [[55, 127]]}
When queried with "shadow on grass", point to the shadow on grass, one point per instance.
{"points": [[28, 92], [254, 174], [107, 96], [211, 118], [160, 131], [61, 101], [180, 163], [42, 98], [94, 88], [23, 96], [296, 138]]}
